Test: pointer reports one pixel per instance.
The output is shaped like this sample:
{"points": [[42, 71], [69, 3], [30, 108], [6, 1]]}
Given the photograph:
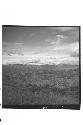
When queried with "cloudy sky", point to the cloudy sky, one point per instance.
{"points": [[54, 44]]}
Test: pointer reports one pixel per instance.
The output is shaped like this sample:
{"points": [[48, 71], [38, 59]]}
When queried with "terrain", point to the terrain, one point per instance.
{"points": [[40, 84]]}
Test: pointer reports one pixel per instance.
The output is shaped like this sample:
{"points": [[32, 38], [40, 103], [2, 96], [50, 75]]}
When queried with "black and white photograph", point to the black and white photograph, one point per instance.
{"points": [[41, 67]]}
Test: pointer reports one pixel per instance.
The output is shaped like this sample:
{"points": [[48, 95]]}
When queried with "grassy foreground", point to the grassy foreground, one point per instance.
{"points": [[40, 85]]}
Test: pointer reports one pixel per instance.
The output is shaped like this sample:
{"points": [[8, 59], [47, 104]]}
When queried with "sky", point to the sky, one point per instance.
{"points": [[40, 44]]}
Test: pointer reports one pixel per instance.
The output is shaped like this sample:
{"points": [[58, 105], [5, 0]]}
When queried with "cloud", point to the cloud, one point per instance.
{"points": [[54, 53], [59, 46], [63, 40], [58, 39], [59, 43], [66, 47], [4, 43], [62, 28], [32, 34], [18, 43], [74, 54], [12, 48], [70, 35], [65, 28], [12, 44]]}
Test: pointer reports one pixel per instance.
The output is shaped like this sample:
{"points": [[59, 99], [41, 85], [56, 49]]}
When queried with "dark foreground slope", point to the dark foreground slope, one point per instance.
{"points": [[40, 85]]}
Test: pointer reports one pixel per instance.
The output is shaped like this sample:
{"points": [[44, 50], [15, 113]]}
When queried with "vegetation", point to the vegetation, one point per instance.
{"points": [[36, 85]]}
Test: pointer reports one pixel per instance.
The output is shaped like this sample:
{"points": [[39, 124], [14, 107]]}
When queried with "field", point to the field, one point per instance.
{"points": [[40, 85]]}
